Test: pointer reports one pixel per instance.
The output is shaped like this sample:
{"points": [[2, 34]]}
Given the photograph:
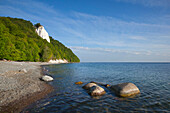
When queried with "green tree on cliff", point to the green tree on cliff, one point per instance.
{"points": [[20, 42]]}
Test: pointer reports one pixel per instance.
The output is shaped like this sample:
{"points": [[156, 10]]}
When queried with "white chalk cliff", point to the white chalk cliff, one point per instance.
{"points": [[43, 33], [58, 61]]}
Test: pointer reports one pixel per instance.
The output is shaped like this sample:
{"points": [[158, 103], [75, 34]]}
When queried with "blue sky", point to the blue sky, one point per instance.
{"points": [[102, 30]]}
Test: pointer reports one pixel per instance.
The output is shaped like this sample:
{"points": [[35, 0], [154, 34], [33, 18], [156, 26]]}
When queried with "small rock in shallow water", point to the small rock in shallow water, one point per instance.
{"points": [[79, 83], [107, 85], [47, 78], [125, 89]]}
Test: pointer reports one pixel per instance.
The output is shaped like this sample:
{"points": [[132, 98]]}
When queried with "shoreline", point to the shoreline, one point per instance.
{"points": [[20, 85]]}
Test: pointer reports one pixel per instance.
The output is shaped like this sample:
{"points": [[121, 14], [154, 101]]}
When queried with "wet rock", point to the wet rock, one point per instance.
{"points": [[102, 84], [94, 90], [125, 89], [47, 78], [89, 85], [107, 85], [79, 83]]}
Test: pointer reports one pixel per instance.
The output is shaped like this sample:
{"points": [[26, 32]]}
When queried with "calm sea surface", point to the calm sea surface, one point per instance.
{"points": [[153, 80]]}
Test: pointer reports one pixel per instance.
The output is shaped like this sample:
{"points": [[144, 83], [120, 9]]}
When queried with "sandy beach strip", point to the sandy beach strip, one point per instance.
{"points": [[20, 85]]}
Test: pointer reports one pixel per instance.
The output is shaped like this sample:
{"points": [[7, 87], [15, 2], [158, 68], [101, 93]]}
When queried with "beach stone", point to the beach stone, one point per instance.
{"points": [[125, 89], [23, 70], [79, 83], [94, 90], [47, 78]]}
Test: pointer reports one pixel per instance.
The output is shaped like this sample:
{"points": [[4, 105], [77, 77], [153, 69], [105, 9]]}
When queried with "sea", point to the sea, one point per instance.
{"points": [[153, 80]]}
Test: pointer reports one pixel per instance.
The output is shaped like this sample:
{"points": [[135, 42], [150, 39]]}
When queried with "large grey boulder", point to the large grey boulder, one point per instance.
{"points": [[47, 78], [94, 90], [125, 89]]}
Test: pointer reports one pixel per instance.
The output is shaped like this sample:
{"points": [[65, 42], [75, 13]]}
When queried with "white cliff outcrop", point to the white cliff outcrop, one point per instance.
{"points": [[58, 61], [43, 33]]}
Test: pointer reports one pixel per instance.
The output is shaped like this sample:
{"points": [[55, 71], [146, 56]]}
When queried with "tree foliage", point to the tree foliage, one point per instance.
{"points": [[37, 25], [20, 42]]}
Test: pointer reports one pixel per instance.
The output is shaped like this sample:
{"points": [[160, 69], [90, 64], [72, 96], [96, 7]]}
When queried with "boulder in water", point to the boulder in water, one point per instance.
{"points": [[94, 90], [89, 85], [106, 85], [47, 78], [125, 89]]}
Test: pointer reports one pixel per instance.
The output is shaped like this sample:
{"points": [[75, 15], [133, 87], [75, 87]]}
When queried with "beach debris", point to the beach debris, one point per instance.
{"points": [[79, 83], [94, 90], [23, 70], [47, 78], [125, 89]]}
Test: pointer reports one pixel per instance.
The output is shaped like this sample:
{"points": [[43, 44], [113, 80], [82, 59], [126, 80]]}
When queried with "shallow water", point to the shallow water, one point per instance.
{"points": [[153, 80]]}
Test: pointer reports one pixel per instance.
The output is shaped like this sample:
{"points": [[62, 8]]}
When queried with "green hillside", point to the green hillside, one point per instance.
{"points": [[20, 42]]}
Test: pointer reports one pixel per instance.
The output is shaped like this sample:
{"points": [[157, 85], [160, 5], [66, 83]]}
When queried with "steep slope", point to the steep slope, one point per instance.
{"points": [[20, 42]]}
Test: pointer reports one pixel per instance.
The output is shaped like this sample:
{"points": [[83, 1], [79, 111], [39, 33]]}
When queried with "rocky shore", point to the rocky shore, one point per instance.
{"points": [[20, 85]]}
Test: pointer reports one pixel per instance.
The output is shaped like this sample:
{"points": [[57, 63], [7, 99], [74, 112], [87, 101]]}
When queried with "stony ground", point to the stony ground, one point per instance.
{"points": [[20, 81]]}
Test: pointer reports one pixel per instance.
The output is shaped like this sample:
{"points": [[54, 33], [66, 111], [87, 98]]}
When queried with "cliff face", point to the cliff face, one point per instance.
{"points": [[43, 33], [20, 41]]}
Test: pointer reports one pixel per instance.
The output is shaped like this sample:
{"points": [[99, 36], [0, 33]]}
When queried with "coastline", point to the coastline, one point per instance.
{"points": [[20, 85]]}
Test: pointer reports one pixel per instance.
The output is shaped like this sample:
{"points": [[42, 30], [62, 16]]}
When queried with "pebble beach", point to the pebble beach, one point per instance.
{"points": [[20, 85]]}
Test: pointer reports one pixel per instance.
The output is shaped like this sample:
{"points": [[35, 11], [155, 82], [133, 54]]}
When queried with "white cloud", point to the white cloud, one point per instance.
{"points": [[97, 33], [77, 48], [158, 3], [137, 37]]}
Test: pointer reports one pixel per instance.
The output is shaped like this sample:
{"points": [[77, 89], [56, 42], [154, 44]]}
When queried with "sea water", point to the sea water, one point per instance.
{"points": [[153, 80]]}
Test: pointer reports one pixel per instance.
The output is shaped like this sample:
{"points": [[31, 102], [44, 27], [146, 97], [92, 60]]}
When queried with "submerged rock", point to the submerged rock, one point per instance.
{"points": [[47, 78], [125, 89], [79, 83], [94, 90]]}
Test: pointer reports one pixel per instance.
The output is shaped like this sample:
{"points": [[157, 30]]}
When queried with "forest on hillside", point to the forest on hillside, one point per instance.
{"points": [[20, 42]]}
